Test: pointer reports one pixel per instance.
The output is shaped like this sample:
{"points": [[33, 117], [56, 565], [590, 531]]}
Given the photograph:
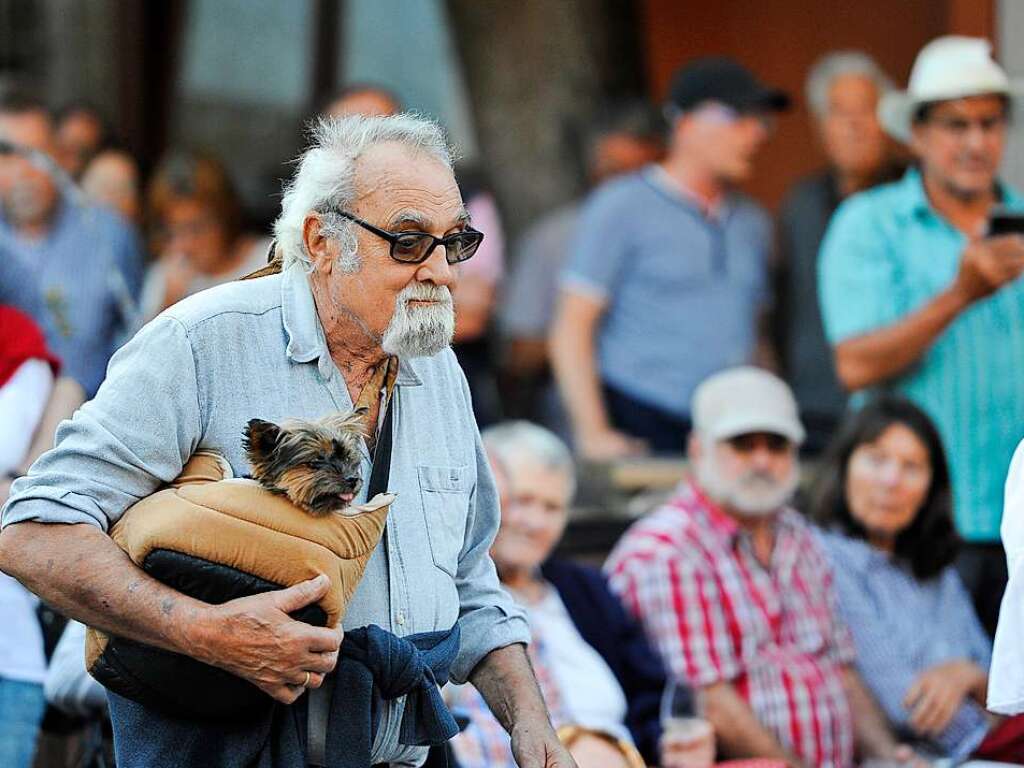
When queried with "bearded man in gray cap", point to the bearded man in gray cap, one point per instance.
{"points": [[734, 589], [918, 297]]}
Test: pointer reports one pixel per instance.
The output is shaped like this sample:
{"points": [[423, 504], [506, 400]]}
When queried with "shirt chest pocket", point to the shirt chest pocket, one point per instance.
{"points": [[445, 494]]}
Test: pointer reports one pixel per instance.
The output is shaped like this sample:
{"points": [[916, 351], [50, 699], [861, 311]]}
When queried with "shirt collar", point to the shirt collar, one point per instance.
{"points": [[306, 341], [659, 178], [916, 201]]}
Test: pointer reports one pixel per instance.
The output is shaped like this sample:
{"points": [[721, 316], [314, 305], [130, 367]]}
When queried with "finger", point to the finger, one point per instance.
{"points": [[320, 662], [322, 639], [926, 713], [913, 694], [286, 694], [302, 594], [315, 680]]}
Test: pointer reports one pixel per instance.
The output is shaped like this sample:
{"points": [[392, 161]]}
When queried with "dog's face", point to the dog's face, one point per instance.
{"points": [[314, 463]]}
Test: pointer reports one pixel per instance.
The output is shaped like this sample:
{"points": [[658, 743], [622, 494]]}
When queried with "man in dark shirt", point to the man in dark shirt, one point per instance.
{"points": [[842, 92]]}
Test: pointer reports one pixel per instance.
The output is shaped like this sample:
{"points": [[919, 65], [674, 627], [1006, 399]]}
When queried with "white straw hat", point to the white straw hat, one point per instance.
{"points": [[947, 68]]}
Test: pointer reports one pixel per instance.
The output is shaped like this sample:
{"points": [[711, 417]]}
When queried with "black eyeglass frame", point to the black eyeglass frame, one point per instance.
{"points": [[475, 235]]}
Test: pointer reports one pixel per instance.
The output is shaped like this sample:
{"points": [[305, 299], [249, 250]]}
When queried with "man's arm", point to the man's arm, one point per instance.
{"points": [[574, 360], [872, 735], [81, 572], [506, 681], [986, 265], [738, 732]]}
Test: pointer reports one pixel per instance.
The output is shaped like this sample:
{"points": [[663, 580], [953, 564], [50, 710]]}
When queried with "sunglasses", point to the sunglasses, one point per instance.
{"points": [[416, 247], [750, 442]]}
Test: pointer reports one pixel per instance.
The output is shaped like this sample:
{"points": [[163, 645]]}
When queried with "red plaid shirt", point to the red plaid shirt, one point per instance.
{"points": [[689, 573]]}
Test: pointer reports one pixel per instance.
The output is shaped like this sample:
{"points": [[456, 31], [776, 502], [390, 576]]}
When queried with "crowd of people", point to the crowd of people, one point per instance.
{"points": [[827, 615]]}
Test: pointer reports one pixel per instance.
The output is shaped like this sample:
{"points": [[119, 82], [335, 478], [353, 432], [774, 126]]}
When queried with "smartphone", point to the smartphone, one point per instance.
{"points": [[1005, 222]]}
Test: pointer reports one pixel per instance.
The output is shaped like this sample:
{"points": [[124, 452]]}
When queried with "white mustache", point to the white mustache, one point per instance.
{"points": [[425, 292]]}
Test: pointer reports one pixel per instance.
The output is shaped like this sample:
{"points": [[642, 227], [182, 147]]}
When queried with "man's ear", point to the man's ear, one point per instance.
{"points": [[693, 446], [321, 249]]}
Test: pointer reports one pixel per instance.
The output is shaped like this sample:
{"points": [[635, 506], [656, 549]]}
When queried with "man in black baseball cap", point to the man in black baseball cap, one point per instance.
{"points": [[667, 278], [723, 80]]}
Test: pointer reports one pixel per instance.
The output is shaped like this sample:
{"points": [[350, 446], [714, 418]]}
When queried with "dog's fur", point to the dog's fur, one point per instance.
{"points": [[313, 463]]}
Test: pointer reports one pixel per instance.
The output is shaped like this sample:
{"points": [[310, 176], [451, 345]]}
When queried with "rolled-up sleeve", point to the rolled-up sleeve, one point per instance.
{"points": [[488, 617], [137, 432]]}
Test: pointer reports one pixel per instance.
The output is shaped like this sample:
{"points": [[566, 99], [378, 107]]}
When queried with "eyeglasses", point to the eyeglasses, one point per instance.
{"points": [[753, 440], [416, 247], [958, 127]]}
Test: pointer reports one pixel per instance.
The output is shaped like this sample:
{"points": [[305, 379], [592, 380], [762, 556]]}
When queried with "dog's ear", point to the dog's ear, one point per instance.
{"points": [[353, 421], [260, 437]]}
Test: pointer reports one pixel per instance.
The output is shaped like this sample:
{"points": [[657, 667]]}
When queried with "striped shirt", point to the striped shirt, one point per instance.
{"points": [[903, 626], [886, 254], [689, 573]]}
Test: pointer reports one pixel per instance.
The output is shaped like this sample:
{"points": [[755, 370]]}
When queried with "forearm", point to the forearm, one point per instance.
{"points": [[875, 357], [738, 732], [82, 573], [506, 681], [574, 360], [872, 734]]}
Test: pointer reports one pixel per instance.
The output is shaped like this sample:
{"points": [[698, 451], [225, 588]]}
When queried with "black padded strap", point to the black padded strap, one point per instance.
{"points": [[380, 472], [319, 699]]}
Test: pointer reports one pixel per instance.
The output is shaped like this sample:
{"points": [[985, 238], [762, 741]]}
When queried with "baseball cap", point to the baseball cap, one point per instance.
{"points": [[721, 79], [742, 400]]}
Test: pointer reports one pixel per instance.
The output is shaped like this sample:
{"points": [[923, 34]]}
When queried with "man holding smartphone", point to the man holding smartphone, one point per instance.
{"points": [[918, 298]]}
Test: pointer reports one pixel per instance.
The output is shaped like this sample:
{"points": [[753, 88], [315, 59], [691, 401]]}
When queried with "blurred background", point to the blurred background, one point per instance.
{"points": [[514, 83]]}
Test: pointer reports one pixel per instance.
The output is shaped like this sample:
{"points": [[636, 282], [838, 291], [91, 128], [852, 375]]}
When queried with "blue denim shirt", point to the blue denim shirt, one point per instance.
{"points": [[196, 374]]}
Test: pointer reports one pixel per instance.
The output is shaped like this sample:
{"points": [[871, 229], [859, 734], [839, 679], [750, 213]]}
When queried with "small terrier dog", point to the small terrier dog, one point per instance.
{"points": [[315, 464]]}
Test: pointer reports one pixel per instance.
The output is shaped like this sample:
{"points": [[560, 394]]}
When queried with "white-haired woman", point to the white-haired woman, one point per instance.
{"points": [[593, 663]]}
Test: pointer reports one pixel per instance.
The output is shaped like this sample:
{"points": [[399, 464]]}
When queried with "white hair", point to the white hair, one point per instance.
{"points": [[841, 64], [325, 179], [523, 438]]}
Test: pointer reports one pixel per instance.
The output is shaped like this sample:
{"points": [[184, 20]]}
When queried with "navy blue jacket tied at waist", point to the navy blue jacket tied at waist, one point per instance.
{"points": [[371, 660]]}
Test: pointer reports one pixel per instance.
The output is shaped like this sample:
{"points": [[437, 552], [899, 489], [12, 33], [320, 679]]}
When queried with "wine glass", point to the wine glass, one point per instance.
{"points": [[687, 739]]}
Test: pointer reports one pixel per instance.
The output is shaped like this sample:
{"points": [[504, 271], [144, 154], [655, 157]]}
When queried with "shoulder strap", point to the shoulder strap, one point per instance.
{"points": [[319, 699], [380, 472]]}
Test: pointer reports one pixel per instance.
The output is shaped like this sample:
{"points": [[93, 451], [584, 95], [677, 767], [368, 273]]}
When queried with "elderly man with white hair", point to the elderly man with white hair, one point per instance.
{"points": [[842, 91], [371, 230], [736, 593], [918, 297]]}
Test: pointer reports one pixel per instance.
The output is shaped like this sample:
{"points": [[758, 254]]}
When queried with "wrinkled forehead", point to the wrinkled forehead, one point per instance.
{"points": [[392, 178]]}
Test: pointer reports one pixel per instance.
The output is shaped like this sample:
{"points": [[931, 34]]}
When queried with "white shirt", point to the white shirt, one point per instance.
{"points": [[21, 640], [22, 402], [1006, 677], [591, 695]]}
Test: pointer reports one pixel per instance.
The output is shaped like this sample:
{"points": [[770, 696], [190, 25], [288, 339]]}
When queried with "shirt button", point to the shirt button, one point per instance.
{"points": [[400, 620]]}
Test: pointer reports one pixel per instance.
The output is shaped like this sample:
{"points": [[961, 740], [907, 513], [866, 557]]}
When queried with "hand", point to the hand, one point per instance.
{"points": [[987, 265], [537, 746], [905, 755], [256, 639], [591, 751], [178, 276], [607, 444], [938, 692]]}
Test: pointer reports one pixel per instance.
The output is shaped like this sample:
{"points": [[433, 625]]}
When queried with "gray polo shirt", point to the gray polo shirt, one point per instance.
{"points": [[682, 291], [196, 374]]}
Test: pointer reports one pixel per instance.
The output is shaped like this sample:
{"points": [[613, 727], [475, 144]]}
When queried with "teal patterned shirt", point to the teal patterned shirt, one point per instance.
{"points": [[888, 253]]}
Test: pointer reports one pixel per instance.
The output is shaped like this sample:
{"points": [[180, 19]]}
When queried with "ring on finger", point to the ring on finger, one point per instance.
{"points": [[305, 684]]}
